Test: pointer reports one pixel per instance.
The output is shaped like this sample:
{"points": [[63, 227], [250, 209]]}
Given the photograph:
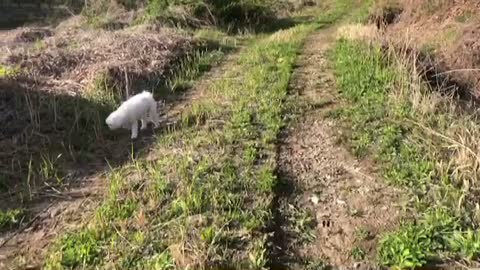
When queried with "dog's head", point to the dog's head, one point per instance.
{"points": [[114, 120]]}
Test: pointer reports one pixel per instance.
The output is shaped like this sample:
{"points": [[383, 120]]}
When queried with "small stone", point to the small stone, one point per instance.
{"points": [[314, 199], [341, 202]]}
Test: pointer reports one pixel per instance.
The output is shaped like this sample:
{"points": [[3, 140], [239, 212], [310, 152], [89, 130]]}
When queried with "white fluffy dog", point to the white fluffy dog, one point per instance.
{"points": [[142, 107]]}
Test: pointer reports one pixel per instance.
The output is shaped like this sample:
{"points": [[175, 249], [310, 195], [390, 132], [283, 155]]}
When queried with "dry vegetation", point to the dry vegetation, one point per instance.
{"points": [[447, 30], [72, 59]]}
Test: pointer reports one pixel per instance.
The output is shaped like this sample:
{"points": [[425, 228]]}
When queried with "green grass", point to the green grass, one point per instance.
{"points": [[192, 67], [10, 217], [362, 234], [334, 11], [211, 12], [362, 13], [421, 141], [358, 254], [77, 124], [220, 37], [208, 191], [7, 71], [203, 196], [192, 13]]}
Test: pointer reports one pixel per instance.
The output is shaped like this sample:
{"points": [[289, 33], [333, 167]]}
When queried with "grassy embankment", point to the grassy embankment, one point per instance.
{"points": [[422, 141]]}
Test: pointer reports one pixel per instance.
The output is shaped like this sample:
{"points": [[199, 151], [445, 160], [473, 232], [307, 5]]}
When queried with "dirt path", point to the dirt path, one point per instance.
{"points": [[65, 210], [350, 205]]}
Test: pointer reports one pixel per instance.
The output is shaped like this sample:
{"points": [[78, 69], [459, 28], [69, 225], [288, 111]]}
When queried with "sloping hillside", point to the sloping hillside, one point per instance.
{"points": [[448, 31]]}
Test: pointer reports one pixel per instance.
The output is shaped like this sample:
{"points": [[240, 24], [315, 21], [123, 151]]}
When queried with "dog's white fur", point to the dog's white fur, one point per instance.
{"points": [[142, 107]]}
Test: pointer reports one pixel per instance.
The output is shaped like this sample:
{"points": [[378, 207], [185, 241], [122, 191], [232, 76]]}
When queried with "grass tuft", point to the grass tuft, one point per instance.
{"points": [[10, 217], [6, 71]]}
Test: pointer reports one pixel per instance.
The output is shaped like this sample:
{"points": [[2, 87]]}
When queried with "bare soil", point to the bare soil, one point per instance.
{"points": [[351, 205]]}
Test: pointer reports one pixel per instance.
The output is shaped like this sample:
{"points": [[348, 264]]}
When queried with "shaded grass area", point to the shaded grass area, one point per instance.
{"points": [[422, 141], [203, 197], [49, 140], [191, 68], [10, 217], [230, 16]]}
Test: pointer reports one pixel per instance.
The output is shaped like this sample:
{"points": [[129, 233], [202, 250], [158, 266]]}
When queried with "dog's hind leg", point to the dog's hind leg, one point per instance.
{"points": [[135, 130], [144, 124]]}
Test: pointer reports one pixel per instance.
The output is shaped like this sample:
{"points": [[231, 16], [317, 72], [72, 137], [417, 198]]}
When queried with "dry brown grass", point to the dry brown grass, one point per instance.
{"points": [[449, 30], [358, 32], [446, 127], [73, 57], [378, 8]]}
